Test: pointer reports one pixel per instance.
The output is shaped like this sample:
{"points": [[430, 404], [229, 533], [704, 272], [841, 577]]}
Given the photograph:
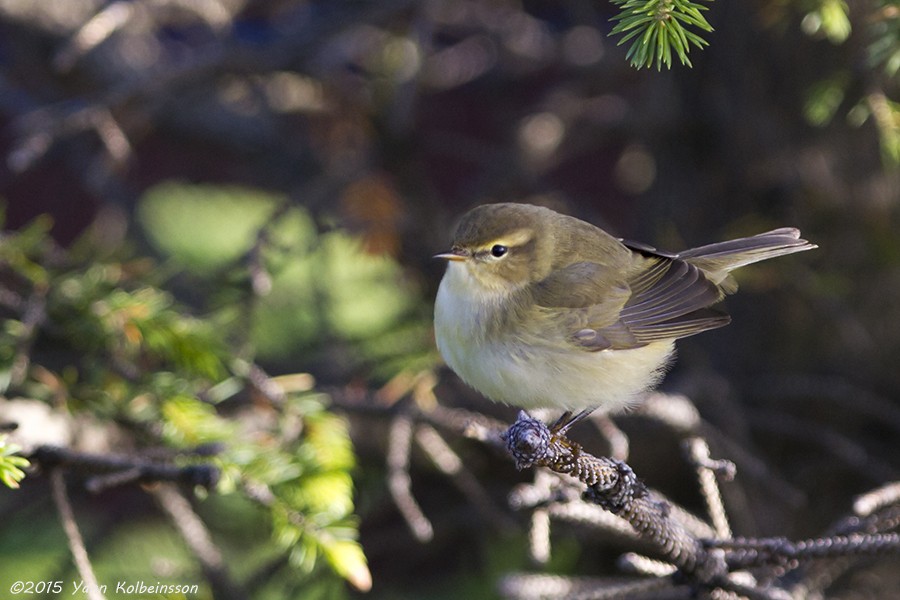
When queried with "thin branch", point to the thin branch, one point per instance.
{"points": [[742, 553], [632, 562], [870, 502], [197, 537], [93, 32], [146, 94], [590, 515], [452, 465], [530, 586], [399, 481], [467, 423], [679, 413], [266, 385], [117, 470], [76, 542], [818, 575], [34, 315], [189, 525], [615, 437], [539, 536], [707, 470]]}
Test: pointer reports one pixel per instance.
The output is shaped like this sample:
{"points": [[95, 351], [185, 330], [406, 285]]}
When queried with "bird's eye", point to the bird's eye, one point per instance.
{"points": [[499, 250]]}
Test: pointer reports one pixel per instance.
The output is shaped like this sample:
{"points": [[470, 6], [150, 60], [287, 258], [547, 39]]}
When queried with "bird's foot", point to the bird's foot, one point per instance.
{"points": [[567, 420]]}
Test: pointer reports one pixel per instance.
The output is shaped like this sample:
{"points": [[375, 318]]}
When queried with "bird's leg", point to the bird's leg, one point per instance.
{"points": [[566, 420], [560, 422]]}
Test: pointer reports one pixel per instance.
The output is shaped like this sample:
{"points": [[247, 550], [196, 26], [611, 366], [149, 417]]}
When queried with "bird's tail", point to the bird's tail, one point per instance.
{"points": [[718, 260]]}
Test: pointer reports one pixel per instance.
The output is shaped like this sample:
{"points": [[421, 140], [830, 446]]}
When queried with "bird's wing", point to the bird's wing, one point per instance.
{"points": [[665, 298], [583, 285], [671, 299]]}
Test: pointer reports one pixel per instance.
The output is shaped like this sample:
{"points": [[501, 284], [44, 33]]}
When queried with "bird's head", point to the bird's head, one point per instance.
{"points": [[503, 247]]}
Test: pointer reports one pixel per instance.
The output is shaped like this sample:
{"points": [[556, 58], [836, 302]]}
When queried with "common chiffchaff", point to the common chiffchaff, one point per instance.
{"points": [[542, 310]]}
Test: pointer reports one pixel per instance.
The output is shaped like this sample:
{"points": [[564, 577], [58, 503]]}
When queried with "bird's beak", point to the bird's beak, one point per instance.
{"points": [[456, 254]]}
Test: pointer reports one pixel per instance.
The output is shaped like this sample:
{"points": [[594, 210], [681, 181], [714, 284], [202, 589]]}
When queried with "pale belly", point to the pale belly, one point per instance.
{"points": [[520, 370]]}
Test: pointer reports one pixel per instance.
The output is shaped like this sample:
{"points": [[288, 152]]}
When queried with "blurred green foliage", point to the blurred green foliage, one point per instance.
{"points": [[206, 227], [321, 286], [829, 17], [102, 337], [884, 50], [825, 99]]}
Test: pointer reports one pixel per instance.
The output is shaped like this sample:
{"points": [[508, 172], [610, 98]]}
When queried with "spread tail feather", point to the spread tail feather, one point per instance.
{"points": [[719, 259]]}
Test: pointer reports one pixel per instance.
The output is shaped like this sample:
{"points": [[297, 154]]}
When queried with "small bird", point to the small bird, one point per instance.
{"points": [[542, 310]]}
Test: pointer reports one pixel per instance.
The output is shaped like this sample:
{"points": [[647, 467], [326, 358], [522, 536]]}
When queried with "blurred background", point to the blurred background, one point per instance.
{"points": [[251, 184]]}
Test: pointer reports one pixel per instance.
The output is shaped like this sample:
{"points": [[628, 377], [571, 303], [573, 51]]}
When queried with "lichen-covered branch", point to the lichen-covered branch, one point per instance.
{"points": [[613, 485], [708, 562]]}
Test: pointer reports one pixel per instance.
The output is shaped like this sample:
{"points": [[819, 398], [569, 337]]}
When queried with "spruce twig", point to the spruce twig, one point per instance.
{"points": [[659, 28]]}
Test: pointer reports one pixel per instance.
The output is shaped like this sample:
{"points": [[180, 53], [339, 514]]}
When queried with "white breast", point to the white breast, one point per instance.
{"points": [[517, 369]]}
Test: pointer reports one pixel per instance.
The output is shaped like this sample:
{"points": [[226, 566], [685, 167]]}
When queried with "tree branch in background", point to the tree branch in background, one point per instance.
{"points": [[197, 537], [110, 470], [76, 542]]}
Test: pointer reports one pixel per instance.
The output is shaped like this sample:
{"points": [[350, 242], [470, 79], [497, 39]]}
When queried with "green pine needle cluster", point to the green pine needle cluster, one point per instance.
{"points": [[657, 29]]}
